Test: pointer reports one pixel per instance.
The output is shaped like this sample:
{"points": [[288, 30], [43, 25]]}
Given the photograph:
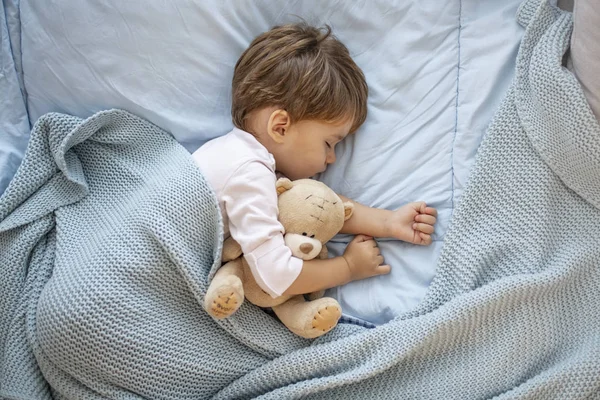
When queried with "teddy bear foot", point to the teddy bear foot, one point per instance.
{"points": [[309, 319], [224, 300], [326, 318]]}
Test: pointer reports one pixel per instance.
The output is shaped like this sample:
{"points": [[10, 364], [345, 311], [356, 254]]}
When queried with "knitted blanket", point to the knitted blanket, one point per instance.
{"points": [[109, 236]]}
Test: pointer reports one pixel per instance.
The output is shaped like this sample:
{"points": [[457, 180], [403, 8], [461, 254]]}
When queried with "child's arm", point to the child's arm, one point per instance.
{"points": [[250, 201], [319, 275], [362, 259], [411, 223]]}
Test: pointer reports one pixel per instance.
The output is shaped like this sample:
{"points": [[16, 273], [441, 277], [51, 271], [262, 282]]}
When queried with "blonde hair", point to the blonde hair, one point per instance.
{"points": [[304, 70]]}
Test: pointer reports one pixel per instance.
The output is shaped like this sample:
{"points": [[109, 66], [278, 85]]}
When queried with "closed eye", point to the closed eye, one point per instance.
{"points": [[328, 145]]}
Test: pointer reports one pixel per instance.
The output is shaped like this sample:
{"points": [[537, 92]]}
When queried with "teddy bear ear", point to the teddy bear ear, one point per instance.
{"points": [[348, 210], [283, 185]]}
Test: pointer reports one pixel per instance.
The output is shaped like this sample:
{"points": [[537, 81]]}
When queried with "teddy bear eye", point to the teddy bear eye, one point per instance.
{"points": [[304, 233], [312, 236]]}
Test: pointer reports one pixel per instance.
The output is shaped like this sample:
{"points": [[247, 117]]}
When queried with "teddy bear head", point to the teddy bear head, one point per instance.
{"points": [[311, 214]]}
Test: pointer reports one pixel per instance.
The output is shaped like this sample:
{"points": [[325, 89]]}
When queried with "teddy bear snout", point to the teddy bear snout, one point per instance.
{"points": [[306, 248], [302, 246]]}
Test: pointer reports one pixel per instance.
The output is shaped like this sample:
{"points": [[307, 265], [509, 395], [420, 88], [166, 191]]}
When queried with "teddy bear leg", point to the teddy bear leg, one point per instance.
{"points": [[225, 293], [309, 319], [316, 295], [231, 250], [254, 294]]}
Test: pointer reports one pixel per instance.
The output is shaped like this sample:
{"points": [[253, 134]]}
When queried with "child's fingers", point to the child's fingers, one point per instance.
{"points": [[422, 206], [383, 269], [423, 209], [425, 228], [430, 211], [362, 238], [425, 238], [426, 219]]}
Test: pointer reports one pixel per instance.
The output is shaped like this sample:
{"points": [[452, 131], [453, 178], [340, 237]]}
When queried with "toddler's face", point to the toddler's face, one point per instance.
{"points": [[310, 147]]}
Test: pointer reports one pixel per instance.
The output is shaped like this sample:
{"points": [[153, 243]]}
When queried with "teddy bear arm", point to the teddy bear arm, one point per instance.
{"points": [[324, 253]]}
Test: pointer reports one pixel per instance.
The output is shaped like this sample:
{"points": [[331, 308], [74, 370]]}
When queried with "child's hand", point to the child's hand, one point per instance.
{"points": [[413, 223], [364, 258]]}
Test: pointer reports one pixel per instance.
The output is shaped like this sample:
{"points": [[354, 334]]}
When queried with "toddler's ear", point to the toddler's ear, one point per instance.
{"points": [[348, 210], [283, 185], [279, 123]]}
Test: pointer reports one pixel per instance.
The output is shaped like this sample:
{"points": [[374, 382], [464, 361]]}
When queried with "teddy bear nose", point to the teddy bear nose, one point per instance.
{"points": [[306, 248]]}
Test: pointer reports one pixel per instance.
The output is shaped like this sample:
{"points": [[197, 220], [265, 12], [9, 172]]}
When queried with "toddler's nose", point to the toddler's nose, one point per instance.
{"points": [[306, 248]]}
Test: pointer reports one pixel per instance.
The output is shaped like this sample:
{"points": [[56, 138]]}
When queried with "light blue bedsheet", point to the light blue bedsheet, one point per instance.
{"points": [[14, 123], [436, 71]]}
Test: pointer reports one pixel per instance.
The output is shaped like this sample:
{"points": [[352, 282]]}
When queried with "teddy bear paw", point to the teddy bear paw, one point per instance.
{"points": [[224, 301], [326, 318], [224, 305]]}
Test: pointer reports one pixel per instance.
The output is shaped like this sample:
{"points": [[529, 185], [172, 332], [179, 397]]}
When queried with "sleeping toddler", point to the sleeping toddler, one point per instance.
{"points": [[296, 93]]}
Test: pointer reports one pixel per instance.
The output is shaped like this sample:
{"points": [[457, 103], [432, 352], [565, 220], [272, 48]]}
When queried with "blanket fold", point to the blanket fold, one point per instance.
{"points": [[108, 234], [542, 85]]}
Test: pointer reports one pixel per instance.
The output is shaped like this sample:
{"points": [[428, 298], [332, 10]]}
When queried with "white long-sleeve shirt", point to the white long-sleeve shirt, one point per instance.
{"points": [[242, 173]]}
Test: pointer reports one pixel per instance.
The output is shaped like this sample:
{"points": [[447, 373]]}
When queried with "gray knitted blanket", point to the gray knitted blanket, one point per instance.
{"points": [[109, 236]]}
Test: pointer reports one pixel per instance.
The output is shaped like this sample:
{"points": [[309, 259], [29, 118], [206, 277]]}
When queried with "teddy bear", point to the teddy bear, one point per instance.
{"points": [[311, 214]]}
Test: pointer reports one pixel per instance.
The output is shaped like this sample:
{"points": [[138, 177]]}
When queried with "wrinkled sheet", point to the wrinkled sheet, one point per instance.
{"points": [[14, 121], [436, 72]]}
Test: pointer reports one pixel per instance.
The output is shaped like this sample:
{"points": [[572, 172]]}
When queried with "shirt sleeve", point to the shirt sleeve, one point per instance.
{"points": [[250, 200]]}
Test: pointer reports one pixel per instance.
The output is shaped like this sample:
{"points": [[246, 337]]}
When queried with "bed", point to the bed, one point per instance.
{"points": [[435, 79], [437, 73]]}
